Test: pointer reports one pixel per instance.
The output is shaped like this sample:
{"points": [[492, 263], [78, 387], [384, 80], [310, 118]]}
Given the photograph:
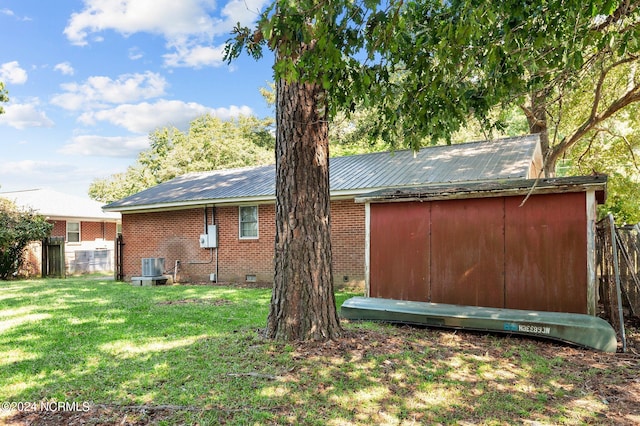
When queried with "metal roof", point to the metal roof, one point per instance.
{"points": [[357, 174], [496, 188], [56, 204]]}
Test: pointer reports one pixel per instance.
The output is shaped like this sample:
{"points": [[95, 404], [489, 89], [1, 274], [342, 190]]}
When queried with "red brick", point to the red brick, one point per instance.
{"points": [[174, 235]]}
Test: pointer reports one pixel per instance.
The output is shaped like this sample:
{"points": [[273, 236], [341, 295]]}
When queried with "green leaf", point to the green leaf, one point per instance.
{"points": [[609, 7]]}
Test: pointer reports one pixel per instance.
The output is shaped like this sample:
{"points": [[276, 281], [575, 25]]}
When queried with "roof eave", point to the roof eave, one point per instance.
{"points": [[499, 189], [180, 205], [81, 218]]}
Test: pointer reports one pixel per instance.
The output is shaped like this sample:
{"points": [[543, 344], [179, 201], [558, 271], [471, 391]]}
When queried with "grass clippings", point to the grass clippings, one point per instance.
{"points": [[195, 355]]}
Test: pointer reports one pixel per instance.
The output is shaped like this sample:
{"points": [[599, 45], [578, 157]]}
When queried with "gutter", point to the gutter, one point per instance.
{"points": [[265, 199]]}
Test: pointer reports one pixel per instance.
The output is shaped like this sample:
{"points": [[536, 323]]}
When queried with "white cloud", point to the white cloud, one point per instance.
{"points": [[22, 116], [9, 12], [243, 11], [68, 177], [135, 53], [10, 72], [100, 91], [168, 18], [29, 167], [188, 26], [65, 68], [194, 52], [106, 146], [146, 117], [195, 56]]}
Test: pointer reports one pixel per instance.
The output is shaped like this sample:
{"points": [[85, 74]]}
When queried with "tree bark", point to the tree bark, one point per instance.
{"points": [[302, 303], [537, 119]]}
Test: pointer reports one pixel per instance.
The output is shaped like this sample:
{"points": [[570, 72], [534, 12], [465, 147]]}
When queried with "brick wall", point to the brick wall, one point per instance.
{"points": [[347, 242], [59, 228], [110, 231], [89, 231], [174, 235], [241, 257]]}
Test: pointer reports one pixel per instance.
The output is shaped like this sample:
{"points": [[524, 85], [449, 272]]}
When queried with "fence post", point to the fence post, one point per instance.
{"points": [[616, 268]]}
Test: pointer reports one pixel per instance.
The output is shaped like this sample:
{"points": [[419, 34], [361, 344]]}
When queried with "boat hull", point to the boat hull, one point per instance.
{"points": [[578, 329]]}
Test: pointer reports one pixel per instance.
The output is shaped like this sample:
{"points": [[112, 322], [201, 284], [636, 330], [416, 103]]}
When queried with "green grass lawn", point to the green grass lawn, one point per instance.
{"points": [[195, 354]]}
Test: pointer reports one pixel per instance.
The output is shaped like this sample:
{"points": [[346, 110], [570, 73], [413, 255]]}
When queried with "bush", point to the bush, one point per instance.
{"points": [[17, 229]]}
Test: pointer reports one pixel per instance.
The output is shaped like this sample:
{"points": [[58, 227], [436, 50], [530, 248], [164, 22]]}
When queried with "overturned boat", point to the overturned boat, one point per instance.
{"points": [[578, 329]]}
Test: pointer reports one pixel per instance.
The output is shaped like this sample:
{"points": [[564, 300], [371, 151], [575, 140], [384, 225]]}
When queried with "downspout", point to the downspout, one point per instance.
{"points": [[213, 219], [367, 249]]}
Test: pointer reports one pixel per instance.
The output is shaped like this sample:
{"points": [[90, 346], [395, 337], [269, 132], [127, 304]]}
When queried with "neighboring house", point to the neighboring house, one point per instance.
{"points": [[89, 233], [219, 225]]}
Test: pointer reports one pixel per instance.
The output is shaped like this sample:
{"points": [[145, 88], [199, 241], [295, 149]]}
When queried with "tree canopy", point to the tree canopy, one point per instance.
{"points": [[464, 58], [428, 66], [4, 96], [208, 144]]}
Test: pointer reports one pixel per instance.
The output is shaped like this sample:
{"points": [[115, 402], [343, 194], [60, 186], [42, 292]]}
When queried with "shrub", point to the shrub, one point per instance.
{"points": [[17, 229]]}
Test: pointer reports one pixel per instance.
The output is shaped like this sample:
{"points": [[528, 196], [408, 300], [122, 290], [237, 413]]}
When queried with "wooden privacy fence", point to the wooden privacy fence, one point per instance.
{"points": [[629, 247], [53, 257]]}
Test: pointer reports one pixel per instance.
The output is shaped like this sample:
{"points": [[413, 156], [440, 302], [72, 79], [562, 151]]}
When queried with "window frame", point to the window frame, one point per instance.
{"points": [[78, 232], [257, 222]]}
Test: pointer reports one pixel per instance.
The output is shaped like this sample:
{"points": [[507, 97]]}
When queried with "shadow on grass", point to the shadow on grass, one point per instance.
{"points": [[194, 354]]}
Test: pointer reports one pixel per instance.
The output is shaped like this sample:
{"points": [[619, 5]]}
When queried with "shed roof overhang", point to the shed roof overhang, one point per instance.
{"points": [[499, 188]]}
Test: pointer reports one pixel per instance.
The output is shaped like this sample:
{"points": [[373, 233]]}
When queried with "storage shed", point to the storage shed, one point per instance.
{"points": [[516, 244]]}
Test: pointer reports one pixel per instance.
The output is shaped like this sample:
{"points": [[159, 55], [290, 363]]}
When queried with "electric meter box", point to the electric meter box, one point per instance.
{"points": [[210, 239]]}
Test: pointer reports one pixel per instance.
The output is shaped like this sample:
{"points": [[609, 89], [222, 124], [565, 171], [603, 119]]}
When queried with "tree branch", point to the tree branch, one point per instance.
{"points": [[624, 9], [632, 95]]}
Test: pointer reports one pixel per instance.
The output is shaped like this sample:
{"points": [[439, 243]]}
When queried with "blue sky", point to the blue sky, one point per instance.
{"points": [[88, 80]]}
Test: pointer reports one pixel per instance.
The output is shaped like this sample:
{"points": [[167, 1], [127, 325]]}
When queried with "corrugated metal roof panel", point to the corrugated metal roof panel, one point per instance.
{"points": [[473, 161], [52, 203], [491, 188]]}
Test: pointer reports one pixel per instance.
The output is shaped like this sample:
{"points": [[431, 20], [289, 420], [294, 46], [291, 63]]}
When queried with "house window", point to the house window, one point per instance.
{"points": [[249, 222], [73, 232]]}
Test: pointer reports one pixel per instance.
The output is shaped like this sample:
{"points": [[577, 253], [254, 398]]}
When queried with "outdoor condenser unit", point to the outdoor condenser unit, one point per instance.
{"points": [[210, 239], [152, 266]]}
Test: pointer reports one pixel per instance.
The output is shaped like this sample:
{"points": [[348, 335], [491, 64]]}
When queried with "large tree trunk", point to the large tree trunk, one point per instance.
{"points": [[302, 303]]}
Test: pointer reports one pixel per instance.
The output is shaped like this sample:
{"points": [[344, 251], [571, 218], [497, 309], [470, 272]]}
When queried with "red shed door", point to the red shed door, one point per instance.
{"points": [[399, 251], [546, 247], [467, 252]]}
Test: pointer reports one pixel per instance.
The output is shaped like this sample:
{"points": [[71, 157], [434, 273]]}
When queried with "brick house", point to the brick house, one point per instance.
{"points": [[220, 225], [89, 233]]}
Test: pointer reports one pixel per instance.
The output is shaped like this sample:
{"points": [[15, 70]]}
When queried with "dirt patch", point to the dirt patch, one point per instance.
{"points": [[632, 332]]}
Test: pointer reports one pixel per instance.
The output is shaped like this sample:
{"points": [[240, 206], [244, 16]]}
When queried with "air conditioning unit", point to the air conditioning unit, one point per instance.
{"points": [[152, 266], [210, 239]]}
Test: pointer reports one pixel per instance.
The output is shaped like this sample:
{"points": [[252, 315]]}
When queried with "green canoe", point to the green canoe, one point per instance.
{"points": [[582, 330]]}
